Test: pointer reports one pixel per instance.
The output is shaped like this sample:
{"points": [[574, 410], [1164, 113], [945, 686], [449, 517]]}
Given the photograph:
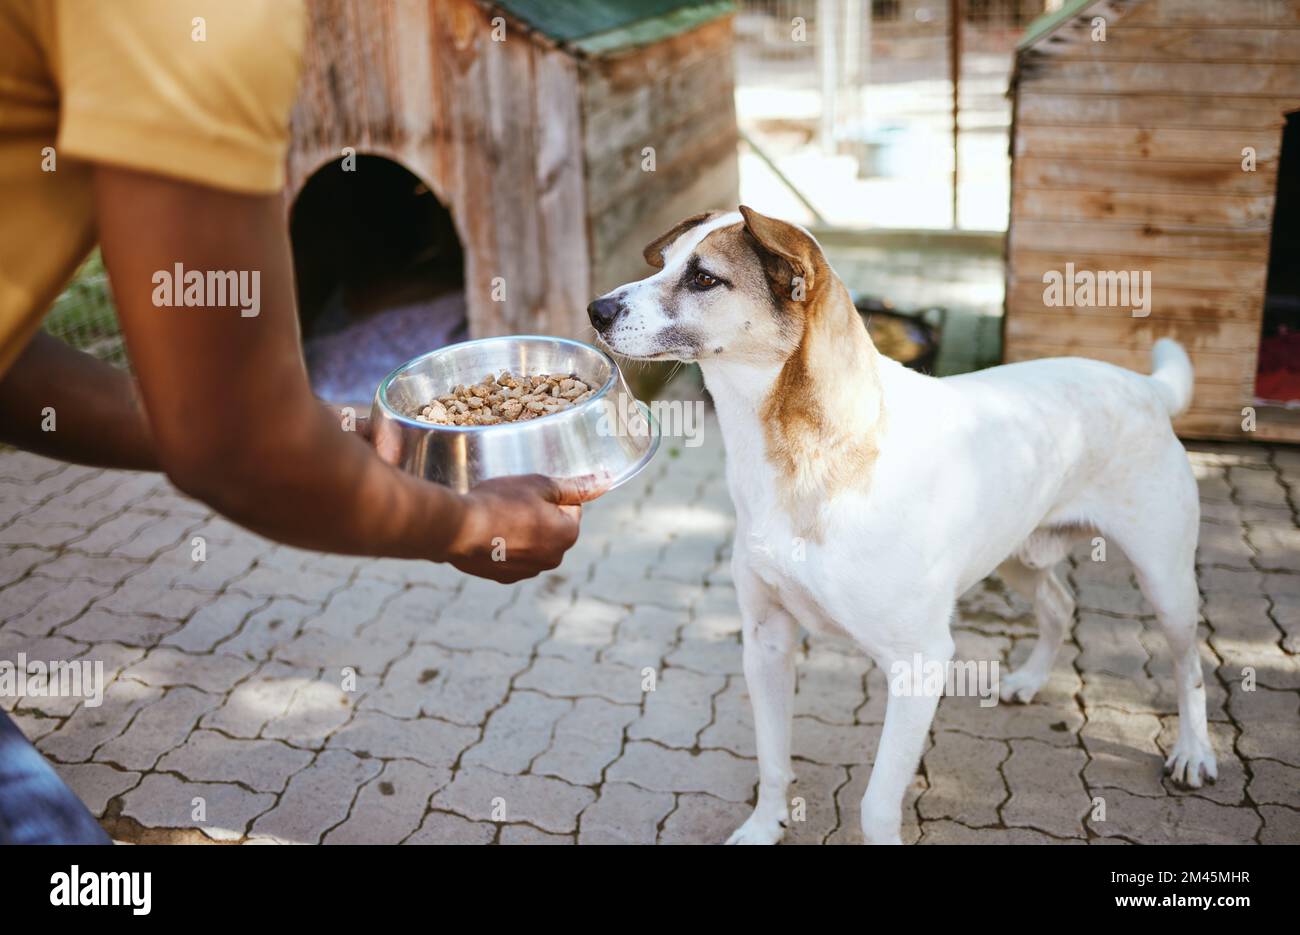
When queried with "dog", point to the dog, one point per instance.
{"points": [[868, 497]]}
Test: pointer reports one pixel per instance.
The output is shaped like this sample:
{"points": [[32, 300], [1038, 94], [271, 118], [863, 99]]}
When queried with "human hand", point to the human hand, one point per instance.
{"points": [[517, 527]]}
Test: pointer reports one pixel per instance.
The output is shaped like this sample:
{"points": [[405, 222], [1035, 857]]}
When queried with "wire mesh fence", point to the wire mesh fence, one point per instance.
{"points": [[84, 315], [848, 108]]}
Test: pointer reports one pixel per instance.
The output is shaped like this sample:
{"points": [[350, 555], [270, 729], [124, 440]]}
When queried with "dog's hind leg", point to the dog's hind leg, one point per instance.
{"points": [[771, 636], [1175, 597], [1054, 611], [1161, 544]]}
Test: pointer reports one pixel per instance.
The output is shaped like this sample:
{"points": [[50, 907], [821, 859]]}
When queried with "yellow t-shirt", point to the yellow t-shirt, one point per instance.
{"points": [[197, 90]]}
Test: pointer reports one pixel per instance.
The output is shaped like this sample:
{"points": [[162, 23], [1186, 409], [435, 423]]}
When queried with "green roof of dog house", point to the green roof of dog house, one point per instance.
{"points": [[1049, 22], [598, 27]]}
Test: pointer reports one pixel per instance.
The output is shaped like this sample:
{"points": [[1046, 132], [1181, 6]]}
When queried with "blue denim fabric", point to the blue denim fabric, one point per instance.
{"points": [[36, 807]]}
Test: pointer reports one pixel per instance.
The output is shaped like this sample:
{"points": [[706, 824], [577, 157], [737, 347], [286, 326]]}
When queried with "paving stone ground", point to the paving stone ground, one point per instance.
{"points": [[266, 694]]}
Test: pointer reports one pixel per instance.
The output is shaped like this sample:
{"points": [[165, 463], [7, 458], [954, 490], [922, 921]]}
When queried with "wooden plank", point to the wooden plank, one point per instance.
{"points": [[1105, 327], [1126, 42], [1209, 78], [510, 151], [1210, 367], [618, 239], [1087, 107], [608, 79], [1224, 424], [561, 197], [458, 29], [1141, 143], [1277, 425], [1248, 276], [1168, 303], [611, 219], [1139, 241], [1238, 212], [665, 101], [1279, 13], [619, 175], [1142, 176]]}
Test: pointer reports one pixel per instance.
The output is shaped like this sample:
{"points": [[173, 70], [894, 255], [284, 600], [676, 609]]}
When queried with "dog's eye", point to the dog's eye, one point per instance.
{"points": [[702, 280]]}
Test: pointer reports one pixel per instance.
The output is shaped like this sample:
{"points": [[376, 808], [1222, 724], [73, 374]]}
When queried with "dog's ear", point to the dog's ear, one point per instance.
{"points": [[793, 249], [654, 250]]}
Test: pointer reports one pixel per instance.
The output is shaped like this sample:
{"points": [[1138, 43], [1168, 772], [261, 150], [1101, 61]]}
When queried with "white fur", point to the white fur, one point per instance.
{"points": [[970, 469], [975, 473]]}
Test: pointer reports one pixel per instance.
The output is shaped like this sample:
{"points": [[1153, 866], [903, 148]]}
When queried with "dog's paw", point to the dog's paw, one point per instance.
{"points": [[1192, 762], [758, 830], [1020, 686]]}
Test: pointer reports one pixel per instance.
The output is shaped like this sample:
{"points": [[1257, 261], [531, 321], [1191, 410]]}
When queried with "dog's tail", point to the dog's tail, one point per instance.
{"points": [[1172, 373]]}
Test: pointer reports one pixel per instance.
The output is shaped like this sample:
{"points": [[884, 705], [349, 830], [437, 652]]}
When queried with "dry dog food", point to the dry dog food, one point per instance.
{"points": [[505, 398]]}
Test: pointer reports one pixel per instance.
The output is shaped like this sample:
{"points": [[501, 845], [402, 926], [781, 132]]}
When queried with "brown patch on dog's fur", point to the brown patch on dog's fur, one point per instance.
{"points": [[654, 250], [824, 415]]}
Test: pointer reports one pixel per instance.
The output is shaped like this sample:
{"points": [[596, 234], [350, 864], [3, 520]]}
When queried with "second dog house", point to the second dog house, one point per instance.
{"points": [[1161, 138]]}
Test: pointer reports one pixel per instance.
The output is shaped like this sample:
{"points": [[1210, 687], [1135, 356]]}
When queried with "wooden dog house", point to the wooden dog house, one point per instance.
{"points": [[1158, 149], [561, 137]]}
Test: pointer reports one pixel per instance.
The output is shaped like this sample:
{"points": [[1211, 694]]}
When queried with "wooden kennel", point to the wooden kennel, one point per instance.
{"points": [[1158, 148], [562, 137]]}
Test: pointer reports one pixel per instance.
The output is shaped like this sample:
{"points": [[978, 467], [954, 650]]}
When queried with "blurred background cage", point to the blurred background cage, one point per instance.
{"points": [[853, 118], [84, 316]]}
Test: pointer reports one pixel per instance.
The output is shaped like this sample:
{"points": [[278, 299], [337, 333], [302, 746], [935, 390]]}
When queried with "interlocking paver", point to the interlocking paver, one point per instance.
{"points": [[315, 711], [483, 795], [1173, 820], [1281, 825], [446, 828], [700, 817], [317, 799], [218, 810], [206, 756], [624, 814], [966, 784], [660, 769], [428, 740], [164, 667], [1273, 783], [300, 697], [565, 679], [679, 708], [96, 784], [1046, 791], [462, 687], [47, 606], [161, 726], [88, 728], [257, 700], [586, 739], [526, 834], [517, 733], [214, 622]]}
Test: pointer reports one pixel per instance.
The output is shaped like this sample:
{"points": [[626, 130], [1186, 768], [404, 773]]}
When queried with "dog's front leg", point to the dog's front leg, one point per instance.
{"points": [[771, 636], [908, 715]]}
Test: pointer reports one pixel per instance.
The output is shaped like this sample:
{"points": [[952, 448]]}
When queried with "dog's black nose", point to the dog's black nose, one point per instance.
{"points": [[603, 311]]}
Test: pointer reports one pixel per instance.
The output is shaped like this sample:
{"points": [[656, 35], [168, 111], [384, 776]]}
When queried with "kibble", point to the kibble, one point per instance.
{"points": [[506, 397]]}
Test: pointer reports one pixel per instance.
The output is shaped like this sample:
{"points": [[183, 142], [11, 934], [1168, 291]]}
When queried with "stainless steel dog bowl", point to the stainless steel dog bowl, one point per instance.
{"points": [[610, 436]]}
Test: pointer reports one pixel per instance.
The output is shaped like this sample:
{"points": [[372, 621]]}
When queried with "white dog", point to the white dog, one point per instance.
{"points": [[868, 497]]}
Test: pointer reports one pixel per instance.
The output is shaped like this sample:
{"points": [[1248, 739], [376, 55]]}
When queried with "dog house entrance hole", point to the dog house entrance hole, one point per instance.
{"points": [[1277, 379], [380, 274]]}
